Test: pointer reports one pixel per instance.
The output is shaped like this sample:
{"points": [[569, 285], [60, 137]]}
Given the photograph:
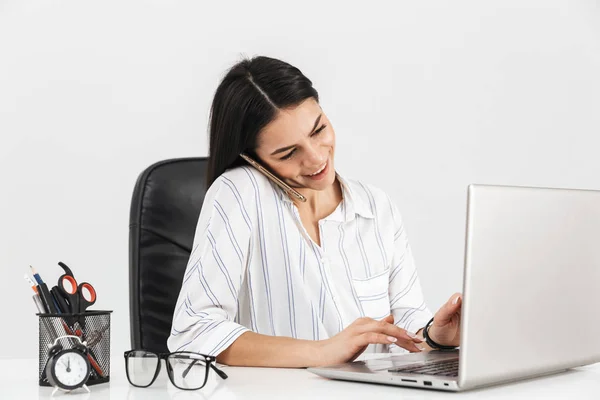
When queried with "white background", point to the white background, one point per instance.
{"points": [[425, 98]]}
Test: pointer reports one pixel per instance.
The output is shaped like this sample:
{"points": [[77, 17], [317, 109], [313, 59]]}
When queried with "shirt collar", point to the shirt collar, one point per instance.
{"points": [[352, 203]]}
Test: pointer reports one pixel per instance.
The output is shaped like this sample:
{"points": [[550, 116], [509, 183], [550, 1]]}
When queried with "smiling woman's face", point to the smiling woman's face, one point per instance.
{"points": [[299, 146]]}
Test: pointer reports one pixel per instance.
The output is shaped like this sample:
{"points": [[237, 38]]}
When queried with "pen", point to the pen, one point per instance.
{"points": [[38, 303], [32, 283], [36, 297], [44, 292], [40, 307], [61, 305]]}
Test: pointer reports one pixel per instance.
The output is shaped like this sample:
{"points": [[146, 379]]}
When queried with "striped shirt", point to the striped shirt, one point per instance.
{"points": [[253, 266]]}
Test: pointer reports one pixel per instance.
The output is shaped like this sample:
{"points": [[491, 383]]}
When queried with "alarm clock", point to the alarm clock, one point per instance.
{"points": [[68, 369]]}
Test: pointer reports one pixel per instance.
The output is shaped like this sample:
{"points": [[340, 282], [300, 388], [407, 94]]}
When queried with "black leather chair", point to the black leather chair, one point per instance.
{"points": [[165, 207]]}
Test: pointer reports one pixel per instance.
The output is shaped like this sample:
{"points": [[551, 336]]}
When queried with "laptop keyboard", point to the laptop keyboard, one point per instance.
{"points": [[439, 368]]}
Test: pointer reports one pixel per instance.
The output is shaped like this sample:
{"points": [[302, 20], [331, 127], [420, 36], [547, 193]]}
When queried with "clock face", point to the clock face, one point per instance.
{"points": [[71, 369]]}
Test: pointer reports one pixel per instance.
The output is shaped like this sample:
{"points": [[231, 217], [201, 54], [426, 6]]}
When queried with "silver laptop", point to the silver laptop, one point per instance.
{"points": [[531, 294]]}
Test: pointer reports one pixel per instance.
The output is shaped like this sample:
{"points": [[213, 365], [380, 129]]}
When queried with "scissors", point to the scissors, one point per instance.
{"points": [[74, 298], [78, 297]]}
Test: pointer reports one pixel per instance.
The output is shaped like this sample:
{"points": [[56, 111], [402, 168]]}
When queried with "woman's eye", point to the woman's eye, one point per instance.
{"points": [[289, 155], [319, 130]]}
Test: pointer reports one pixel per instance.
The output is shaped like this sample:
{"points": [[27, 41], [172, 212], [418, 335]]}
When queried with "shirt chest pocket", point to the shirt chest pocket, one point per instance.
{"points": [[373, 294]]}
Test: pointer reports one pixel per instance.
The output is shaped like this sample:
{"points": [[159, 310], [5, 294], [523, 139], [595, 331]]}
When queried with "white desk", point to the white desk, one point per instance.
{"points": [[18, 380]]}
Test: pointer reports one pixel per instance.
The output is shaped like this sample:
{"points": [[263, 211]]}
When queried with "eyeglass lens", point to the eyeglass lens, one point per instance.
{"points": [[141, 367], [188, 370]]}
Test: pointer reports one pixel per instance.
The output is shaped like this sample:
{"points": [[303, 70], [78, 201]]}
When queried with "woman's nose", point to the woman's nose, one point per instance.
{"points": [[314, 159]]}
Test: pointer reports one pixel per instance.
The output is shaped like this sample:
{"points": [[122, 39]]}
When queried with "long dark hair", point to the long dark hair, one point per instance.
{"points": [[247, 100]]}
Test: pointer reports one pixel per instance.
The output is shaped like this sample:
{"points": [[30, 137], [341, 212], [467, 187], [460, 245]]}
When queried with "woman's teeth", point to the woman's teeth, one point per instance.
{"points": [[319, 171]]}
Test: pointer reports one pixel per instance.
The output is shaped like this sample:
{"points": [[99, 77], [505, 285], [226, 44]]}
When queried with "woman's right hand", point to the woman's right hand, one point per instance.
{"points": [[347, 345]]}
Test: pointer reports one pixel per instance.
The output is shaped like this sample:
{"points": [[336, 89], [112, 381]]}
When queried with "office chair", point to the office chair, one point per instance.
{"points": [[164, 212]]}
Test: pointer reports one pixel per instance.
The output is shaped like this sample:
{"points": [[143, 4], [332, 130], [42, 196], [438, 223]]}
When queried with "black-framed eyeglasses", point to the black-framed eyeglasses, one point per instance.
{"points": [[187, 370]]}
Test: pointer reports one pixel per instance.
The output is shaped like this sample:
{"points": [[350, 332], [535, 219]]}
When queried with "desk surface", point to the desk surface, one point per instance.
{"points": [[18, 381]]}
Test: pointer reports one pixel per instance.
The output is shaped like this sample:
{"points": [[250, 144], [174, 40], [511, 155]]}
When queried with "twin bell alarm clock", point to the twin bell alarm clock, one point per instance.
{"points": [[68, 369]]}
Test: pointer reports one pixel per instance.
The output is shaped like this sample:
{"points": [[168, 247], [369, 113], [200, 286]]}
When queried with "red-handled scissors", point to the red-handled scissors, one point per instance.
{"points": [[79, 297]]}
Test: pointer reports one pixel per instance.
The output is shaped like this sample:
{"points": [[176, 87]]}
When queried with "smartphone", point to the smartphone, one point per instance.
{"points": [[273, 178]]}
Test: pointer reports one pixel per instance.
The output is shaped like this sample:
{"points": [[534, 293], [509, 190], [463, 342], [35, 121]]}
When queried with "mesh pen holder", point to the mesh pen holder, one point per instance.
{"points": [[92, 327]]}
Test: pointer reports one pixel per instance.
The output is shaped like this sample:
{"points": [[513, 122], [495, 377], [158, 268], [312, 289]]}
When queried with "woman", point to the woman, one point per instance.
{"points": [[274, 281]]}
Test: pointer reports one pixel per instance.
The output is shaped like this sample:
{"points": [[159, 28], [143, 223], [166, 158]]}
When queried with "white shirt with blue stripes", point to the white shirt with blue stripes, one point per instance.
{"points": [[254, 267]]}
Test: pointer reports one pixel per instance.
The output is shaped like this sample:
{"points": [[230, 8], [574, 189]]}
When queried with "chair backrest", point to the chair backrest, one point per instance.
{"points": [[165, 207]]}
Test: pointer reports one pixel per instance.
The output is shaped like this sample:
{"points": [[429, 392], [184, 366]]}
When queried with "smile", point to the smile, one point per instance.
{"points": [[319, 171]]}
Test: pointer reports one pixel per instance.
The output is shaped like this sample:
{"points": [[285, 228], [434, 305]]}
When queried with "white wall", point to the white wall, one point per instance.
{"points": [[425, 97]]}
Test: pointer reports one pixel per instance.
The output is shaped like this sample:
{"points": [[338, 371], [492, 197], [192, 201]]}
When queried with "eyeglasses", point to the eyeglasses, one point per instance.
{"points": [[187, 370]]}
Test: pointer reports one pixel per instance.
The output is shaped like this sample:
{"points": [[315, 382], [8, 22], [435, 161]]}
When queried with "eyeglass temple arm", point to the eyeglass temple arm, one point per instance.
{"points": [[222, 374], [219, 372]]}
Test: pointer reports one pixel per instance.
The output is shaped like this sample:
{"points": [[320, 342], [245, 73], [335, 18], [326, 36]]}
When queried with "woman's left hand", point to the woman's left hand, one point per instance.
{"points": [[445, 329]]}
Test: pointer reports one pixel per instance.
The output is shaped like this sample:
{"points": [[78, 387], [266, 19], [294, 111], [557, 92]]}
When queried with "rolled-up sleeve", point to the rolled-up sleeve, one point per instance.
{"points": [[204, 317], [406, 296]]}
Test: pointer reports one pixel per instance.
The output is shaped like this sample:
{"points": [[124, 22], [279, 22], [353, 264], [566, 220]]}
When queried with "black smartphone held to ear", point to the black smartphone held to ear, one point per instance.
{"points": [[273, 178]]}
